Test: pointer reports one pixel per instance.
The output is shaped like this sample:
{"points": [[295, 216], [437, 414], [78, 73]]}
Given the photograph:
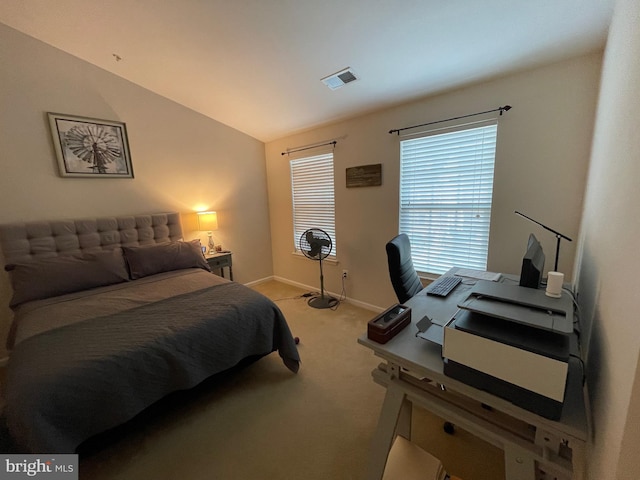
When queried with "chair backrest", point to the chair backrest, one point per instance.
{"points": [[404, 277]]}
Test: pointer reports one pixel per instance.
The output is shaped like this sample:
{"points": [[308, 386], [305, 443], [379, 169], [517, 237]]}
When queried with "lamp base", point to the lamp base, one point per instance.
{"points": [[212, 249]]}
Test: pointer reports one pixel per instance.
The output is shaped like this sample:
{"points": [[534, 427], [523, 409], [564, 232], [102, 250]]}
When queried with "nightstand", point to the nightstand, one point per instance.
{"points": [[218, 261]]}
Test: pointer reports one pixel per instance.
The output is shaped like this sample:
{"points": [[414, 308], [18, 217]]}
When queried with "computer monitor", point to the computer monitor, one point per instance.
{"points": [[532, 264]]}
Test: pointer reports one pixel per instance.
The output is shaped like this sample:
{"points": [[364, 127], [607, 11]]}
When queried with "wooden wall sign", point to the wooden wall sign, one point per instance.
{"points": [[364, 176]]}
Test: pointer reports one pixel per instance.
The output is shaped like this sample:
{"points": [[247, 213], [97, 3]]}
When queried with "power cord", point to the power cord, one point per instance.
{"points": [[297, 297], [343, 295]]}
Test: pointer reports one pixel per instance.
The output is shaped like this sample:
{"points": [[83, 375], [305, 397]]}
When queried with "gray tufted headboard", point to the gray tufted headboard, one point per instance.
{"points": [[24, 242]]}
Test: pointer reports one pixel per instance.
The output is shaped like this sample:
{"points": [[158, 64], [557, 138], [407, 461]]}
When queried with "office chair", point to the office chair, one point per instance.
{"points": [[404, 277], [405, 280]]}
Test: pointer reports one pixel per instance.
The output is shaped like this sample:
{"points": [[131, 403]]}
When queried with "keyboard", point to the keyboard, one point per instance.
{"points": [[443, 286]]}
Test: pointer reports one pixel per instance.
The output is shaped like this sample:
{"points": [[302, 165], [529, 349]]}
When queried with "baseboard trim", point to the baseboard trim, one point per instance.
{"points": [[357, 303], [259, 281]]}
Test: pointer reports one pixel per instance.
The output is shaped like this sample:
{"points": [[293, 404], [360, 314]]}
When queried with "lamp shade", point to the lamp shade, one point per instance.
{"points": [[207, 221]]}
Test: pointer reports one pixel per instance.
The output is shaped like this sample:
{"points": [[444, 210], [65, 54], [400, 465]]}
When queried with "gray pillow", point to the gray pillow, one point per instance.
{"points": [[165, 257], [55, 276]]}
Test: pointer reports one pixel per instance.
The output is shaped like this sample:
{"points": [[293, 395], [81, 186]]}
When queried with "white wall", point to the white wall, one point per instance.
{"points": [[181, 159], [541, 163], [609, 261]]}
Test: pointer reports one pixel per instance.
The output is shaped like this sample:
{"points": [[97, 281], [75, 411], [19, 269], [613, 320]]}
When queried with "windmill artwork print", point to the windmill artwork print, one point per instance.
{"points": [[89, 147]]}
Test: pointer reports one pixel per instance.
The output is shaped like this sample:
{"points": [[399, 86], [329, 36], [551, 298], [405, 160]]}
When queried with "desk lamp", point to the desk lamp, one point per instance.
{"points": [[207, 222]]}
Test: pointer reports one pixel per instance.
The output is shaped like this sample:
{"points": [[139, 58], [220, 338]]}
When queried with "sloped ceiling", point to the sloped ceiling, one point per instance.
{"points": [[256, 65]]}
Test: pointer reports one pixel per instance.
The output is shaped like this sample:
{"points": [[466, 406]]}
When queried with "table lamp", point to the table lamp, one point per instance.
{"points": [[207, 222]]}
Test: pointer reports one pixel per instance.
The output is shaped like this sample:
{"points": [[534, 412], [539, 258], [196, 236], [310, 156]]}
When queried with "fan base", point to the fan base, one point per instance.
{"points": [[322, 302]]}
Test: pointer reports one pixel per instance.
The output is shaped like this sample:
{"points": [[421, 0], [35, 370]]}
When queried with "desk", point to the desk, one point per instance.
{"points": [[412, 373]]}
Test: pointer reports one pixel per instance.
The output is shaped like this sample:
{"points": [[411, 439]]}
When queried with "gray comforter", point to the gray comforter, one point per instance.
{"points": [[71, 382]]}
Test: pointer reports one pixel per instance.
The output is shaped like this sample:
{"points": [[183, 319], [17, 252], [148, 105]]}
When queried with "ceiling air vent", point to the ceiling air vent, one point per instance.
{"points": [[340, 78]]}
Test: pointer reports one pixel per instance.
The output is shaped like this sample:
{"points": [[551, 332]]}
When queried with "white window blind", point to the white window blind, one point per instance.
{"points": [[446, 186], [312, 188]]}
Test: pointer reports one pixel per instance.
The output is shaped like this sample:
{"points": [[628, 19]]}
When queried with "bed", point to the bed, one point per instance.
{"points": [[113, 314]]}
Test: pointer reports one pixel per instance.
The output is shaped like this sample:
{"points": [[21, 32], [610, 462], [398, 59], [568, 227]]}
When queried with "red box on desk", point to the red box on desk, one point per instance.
{"points": [[389, 323]]}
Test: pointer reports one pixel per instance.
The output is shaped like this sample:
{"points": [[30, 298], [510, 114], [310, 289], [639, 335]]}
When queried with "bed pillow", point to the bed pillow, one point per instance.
{"points": [[165, 257], [55, 276]]}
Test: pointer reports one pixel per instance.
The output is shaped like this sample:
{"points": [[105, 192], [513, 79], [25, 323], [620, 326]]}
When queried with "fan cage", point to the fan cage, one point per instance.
{"points": [[316, 244]]}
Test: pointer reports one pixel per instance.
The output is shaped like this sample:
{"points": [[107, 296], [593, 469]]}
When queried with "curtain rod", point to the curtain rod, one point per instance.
{"points": [[506, 108], [307, 148]]}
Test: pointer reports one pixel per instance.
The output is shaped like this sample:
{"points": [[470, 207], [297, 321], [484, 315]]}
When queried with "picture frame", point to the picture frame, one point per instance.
{"points": [[90, 147]]}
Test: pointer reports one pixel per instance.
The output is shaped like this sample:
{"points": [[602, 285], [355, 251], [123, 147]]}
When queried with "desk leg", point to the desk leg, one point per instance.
{"points": [[518, 464], [230, 273], [579, 460], [395, 417]]}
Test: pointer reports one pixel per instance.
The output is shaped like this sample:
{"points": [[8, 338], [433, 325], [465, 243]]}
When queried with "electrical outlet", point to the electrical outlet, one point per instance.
{"points": [[345, 273]]}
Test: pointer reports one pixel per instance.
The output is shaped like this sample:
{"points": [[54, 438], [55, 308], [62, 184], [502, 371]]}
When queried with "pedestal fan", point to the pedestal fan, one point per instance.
{"points": [[316, 244]]}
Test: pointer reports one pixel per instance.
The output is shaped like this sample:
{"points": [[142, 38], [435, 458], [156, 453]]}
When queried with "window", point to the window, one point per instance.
{"points": [[312, 189], [446, 185]]}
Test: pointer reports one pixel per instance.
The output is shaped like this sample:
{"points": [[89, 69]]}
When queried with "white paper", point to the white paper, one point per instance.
{"points": [[477, 274]]}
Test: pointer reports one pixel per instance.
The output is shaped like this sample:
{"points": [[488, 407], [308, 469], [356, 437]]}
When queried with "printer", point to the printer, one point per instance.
{"points": [[513, 342]]}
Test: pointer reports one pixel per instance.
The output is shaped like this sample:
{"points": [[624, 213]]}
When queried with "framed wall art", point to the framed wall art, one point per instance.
{"points": [[90, 148]]}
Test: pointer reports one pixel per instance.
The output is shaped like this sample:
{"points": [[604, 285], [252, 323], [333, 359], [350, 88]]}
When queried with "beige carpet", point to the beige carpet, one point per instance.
{"points": [[264, 422]]}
